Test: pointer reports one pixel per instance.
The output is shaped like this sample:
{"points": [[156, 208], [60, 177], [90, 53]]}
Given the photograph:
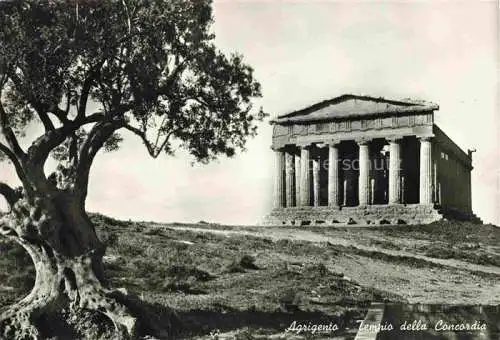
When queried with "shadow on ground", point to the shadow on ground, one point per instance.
{"points": [[435, 322], [205, 322]]}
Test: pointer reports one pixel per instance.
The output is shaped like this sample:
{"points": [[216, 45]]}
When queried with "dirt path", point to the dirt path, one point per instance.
{"points": [[310, 236], [439, 281]]}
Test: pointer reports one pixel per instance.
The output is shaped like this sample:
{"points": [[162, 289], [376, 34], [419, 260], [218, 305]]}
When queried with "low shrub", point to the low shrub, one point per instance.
{"points": [[248, 262], [234, 267], [181, 272]]}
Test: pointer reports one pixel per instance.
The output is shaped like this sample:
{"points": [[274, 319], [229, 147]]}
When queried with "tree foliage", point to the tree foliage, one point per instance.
{"points": [[87, 69]]}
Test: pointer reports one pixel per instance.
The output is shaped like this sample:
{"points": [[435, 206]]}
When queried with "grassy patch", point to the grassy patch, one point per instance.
{"points": [[384, 244], [396, 259], [451, 232], [472, 255]]}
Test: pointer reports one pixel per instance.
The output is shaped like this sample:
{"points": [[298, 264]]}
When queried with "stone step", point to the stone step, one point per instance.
{"points": [[454, 214], [376, 215], [370, 326]]}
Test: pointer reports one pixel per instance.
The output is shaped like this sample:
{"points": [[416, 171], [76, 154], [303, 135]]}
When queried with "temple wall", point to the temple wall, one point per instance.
{"points": [[452, 168]]}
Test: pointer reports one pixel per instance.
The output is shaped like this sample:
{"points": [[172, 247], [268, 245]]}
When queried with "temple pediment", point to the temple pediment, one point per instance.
{"points": [[350, 105]]}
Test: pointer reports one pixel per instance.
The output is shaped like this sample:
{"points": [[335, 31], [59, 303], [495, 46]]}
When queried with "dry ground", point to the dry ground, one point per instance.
{"points": [[253, 282], [454, 263]]}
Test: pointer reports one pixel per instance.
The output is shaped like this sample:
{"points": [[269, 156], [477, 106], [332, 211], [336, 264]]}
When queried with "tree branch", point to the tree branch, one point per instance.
{"points": [[15, 161], [142, 135], [167, 137], [153, 151], [9, 134], [73, 150], [11, 196], [87, 84], [99, 134], [61, 114], [8, 152], [44, 117], [39, 107], [165, 89], [42, 146]]}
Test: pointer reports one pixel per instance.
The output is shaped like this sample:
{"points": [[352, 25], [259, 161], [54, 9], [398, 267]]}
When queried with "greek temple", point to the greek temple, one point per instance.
{"points": [[364, 160]]}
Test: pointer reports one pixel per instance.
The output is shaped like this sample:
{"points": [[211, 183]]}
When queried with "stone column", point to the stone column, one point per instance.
{"points": [[394, 171], [402, 192], [297, 180], [372, 190], [425, 191], [289, 179], [333, 175], [278, 179], [435, 181], [439, 193], [305, 177], [316, 182], [364, 172], [344, 203]]}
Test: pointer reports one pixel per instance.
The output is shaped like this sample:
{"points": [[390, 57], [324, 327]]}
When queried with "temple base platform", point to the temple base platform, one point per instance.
{"points": [[366, 215]]}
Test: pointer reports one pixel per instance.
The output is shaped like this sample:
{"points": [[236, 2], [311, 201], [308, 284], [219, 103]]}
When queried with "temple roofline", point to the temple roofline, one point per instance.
{"points": [[449, 144], [407, 106]]}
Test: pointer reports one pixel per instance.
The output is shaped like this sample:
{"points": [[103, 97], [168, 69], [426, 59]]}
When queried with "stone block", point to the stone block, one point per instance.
{"points": [[409, 214]]}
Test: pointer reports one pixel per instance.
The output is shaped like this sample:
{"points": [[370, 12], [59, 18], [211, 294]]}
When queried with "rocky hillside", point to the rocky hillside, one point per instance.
{"points": [[255, 281]]}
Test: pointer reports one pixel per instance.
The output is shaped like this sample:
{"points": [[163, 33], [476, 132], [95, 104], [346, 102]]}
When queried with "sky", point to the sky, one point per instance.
{"points": [[304, 52]]}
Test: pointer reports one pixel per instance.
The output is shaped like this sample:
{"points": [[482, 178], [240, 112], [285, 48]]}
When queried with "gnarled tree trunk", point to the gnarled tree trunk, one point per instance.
{"points": [[69, 292]]}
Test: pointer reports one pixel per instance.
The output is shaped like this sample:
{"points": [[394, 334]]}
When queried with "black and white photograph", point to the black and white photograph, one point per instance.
{"points": [[250, 169]]}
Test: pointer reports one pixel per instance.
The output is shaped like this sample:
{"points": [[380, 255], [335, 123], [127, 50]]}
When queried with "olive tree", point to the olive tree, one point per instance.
{"points": [[86, 71]]}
